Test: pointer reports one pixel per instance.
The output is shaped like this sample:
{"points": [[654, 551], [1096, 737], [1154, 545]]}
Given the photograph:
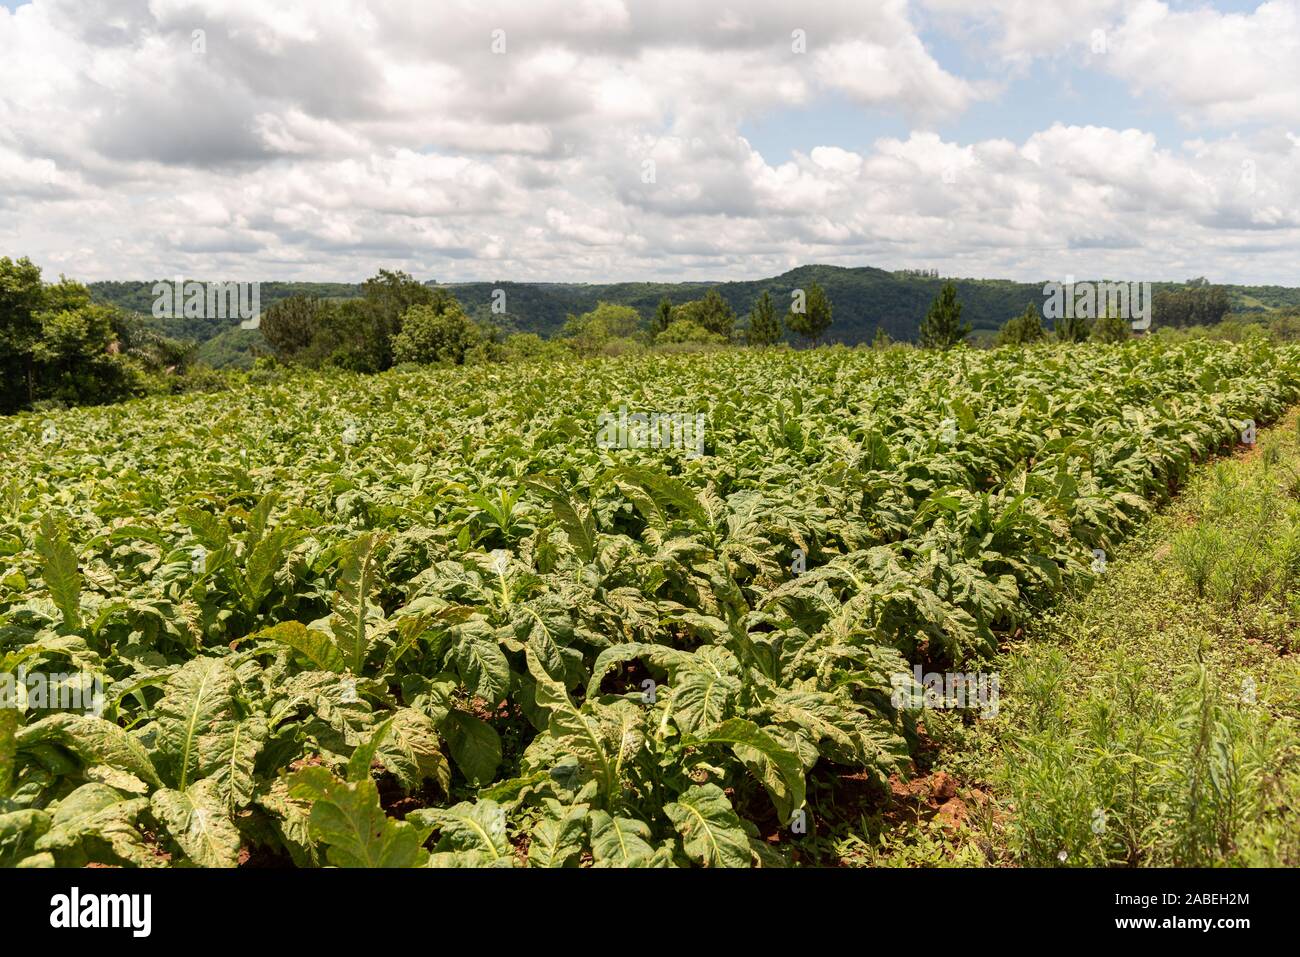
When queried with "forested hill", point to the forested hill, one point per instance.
{"points": [[864, 299]]}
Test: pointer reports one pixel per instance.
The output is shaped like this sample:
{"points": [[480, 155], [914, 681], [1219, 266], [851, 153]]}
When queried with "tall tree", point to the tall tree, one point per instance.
{"points": [[716, 314], [663, 316], [22, 297], [942, 327], [1072, 328], [764, 326], [289, 325], [814, 318], [388, 296], [1111, 328], [1024, 329]]}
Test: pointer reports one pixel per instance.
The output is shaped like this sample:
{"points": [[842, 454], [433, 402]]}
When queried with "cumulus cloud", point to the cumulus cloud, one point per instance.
{"points": [[602, 139], [1221, 67]]}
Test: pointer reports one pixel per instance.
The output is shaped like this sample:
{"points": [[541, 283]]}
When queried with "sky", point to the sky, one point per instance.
{"points": [[658, 140]]}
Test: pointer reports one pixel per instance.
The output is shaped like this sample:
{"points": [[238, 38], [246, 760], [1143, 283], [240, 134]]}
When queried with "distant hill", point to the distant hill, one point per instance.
{"points": [[864, 299]]}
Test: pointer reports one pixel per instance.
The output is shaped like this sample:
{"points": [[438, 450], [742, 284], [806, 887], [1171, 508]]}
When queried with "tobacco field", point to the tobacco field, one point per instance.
{"points": [[424, 619]]}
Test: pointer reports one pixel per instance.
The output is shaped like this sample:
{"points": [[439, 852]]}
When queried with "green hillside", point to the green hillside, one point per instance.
{"points": [[864, 299]]}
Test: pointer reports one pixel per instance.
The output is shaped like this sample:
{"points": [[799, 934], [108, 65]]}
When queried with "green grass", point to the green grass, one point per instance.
{"points": [[1156, 720]]}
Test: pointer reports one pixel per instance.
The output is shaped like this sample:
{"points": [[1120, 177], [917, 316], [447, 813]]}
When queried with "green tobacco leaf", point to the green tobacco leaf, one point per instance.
{"points": [[233, 758], [352, 609], [19, 832], [475, 830], [363, 758], [316, 646], [412, 753], [347, 819], [661, 656], [710, 830], [93, 740], [619, 841], [93, 815], [265, 559], [483, 665], [475, 746], [196, 719], [557, 841], [666, 491], [59, 569], [8, 749], [775, 765], [575, 731], [198, 821], [701, 699], [579, 523]]}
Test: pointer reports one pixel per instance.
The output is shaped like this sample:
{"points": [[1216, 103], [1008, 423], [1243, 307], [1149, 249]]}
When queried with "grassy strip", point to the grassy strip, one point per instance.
{"points": [[1153, 722]]}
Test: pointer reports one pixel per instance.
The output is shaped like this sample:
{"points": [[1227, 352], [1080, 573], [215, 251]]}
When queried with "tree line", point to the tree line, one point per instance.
{"points": [[58, 347], [399, 320]]}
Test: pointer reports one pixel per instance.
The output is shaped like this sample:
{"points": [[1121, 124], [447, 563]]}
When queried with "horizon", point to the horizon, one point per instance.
{"points": [[699, 282]]}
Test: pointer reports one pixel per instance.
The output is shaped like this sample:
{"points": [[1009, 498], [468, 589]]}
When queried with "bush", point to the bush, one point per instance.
{"points": [[436, 333], [687, 330]]}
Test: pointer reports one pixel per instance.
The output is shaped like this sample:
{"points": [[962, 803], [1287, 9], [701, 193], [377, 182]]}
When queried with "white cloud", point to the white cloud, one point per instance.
{"points": [[323, 139], [1209, 65]]}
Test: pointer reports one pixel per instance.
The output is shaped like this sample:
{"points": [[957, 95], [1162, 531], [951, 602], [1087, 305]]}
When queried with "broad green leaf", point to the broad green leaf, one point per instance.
{"points": [[619, 841], [412, 753], [8, 749], [557, 841], [347, 819], [19, 832], [94, 815], [579, 523], [316, 646], [574, 730], [710, 830], [93, 740], [475, 746], [197, 820], [196, 719], [352, 608], [483, 665], [59, 568], [363, 758], [476, 830], [774, 764]]}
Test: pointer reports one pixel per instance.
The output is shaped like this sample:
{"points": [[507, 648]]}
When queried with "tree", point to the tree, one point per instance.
{"points": [[289, 325], [882, 339], [594, 329], [1072, 329], [1110, 328], [942, 327], [436, 333], [662, 317], [712, 313], [688, 330], [1196, 304], [815, 316], [388, 296], [764, 327], [1024, 329], [58, 345]]}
